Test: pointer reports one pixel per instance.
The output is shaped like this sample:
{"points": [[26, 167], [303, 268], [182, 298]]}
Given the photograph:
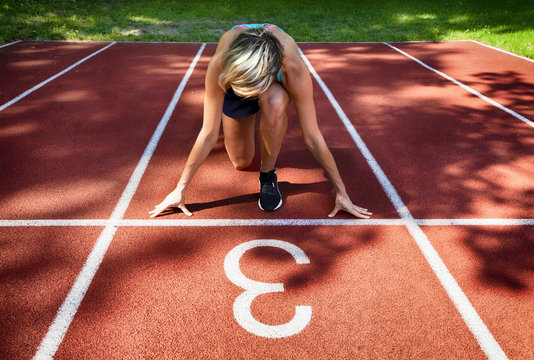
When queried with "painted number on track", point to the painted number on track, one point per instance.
{"points": [[254, 288]]}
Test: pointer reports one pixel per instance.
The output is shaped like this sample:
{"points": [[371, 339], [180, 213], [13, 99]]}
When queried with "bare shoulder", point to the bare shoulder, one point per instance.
{"points": [[225, 41], [215, 63], [290, 46], [292, 60]]}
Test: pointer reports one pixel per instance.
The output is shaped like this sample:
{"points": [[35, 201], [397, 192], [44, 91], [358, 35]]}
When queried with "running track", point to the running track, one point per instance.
{"points": [[436, 139]]}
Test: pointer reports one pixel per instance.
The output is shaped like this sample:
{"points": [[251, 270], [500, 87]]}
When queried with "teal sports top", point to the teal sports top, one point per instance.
{"points": [[248, 26]]}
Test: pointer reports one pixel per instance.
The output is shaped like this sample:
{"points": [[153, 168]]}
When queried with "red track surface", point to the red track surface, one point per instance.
{"points": [[24, 65], [68, 150]]}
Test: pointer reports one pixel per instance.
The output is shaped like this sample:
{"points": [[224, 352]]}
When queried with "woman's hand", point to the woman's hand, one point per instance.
{"points": [[175, 199], [344, 203]]}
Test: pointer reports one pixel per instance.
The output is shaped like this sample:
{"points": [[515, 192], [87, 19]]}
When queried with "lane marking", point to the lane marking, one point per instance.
{"points": [[253, 288], [503, 51], [36, 87], [215, 42], [67, 311], [262, 222], [204, 222], [468, 313], [374, 42], [139, 42], [465, 87], [53, 222], [475, 222], [11, 43]]}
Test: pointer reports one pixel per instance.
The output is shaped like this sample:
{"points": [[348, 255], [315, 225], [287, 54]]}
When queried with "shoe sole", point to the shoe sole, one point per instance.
{"points": [[276, 208]]}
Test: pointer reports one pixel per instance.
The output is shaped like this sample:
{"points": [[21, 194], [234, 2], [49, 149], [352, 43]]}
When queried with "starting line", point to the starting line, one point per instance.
{"points": [[262, 222]]}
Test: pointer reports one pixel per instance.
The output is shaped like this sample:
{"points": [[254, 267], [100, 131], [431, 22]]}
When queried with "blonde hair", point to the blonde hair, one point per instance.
{"points": [[251, 63]]}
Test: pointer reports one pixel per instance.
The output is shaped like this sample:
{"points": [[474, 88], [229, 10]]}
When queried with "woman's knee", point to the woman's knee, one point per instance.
{"points": [[274, 106], [242, 163]]}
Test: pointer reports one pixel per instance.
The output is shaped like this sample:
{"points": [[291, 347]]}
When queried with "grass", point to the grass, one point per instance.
{"points": [[507, 24]]}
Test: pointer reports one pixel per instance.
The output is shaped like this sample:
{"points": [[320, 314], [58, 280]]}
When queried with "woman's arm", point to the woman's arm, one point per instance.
{"points": [[209, 133], [206, 139], [299, 85]]}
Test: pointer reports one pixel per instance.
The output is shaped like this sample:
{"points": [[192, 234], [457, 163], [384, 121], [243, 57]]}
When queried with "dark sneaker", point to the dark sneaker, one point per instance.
{"points": [[270, 198]]}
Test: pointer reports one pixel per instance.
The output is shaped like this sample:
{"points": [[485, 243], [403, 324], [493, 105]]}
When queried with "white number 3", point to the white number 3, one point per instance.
{"points": [[253, 288]]}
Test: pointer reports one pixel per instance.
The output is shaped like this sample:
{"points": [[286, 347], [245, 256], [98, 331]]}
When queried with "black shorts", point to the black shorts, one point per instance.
{"points": [[235, 106]]}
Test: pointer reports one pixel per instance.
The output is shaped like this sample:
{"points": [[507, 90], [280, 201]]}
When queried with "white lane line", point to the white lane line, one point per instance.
{"points": [[372, 42], [202, 222], [263, 222], [475, 222], [53, 222], [11, 43], [473, 321], [36, 87], [68, 309], [503, 51], [325, 222], [465, 87]]}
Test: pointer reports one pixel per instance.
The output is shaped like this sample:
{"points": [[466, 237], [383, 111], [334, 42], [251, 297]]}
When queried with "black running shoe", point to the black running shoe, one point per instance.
{"points": [[270, 198]]}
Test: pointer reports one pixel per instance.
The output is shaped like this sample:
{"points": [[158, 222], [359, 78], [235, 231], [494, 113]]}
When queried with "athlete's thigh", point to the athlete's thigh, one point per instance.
{"points": [[239, 137]]}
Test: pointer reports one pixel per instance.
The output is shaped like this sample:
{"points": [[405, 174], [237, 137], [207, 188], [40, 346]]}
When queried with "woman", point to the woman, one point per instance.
{"points": [[258, 66]]}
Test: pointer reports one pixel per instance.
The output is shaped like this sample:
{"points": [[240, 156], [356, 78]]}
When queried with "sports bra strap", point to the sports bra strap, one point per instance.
{"points": [[248, 26]]}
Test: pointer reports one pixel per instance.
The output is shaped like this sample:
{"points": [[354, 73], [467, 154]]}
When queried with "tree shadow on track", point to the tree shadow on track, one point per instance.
{"points": [[324, 250], [171, 283], [462, 162], [37, 268], [448, 153], [506, 256], [510, 85]]}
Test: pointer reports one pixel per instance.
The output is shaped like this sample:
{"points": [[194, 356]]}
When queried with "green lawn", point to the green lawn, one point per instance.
{"points": [[507, 24]]}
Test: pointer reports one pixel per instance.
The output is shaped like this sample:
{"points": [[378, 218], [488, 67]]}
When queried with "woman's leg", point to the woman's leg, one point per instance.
{"points": [[239, 140], [273, 124], [239, 132]]}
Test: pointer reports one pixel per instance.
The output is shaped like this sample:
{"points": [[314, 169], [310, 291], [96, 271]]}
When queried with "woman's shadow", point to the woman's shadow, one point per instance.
{"points": [[286, 188]]}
